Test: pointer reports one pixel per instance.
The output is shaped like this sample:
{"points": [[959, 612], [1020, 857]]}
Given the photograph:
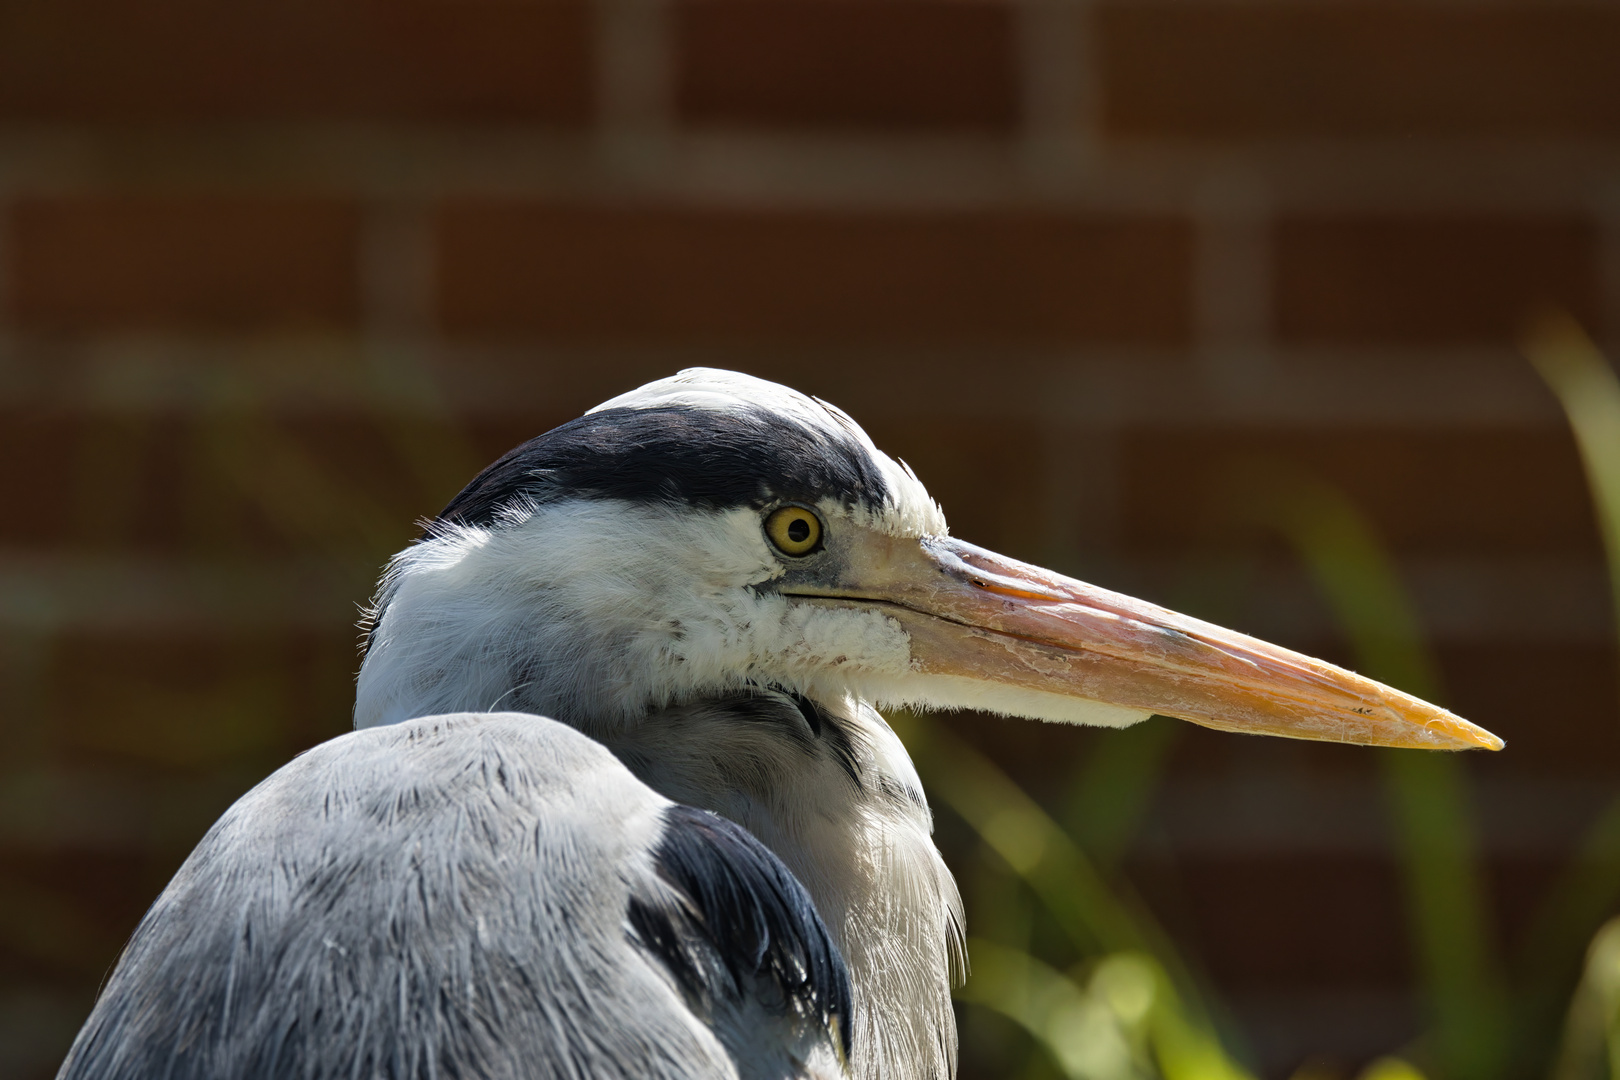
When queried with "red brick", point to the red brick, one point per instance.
{"points": [[991, 486], [847, 63], [37, 471], [117, 481], [1293, 919], [1263, 920], [163, 482], [1555, 704], [1452, 491], [78, 908], [686, 275], [179, 700], [172, 483], [144, 263], [1288, 70], [190, 60], [1429, 280]]}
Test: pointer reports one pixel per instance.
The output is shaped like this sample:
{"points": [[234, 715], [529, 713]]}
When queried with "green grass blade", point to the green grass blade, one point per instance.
{"points": [[1081, 1034], [1591, 1045], [1122, 1021], [1427, 791], [1017, 829], [1090, 912], [1589, 392], [1114, 787]]}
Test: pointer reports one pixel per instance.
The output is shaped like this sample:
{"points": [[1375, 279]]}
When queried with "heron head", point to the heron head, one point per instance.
{"points": [[712, 531]]}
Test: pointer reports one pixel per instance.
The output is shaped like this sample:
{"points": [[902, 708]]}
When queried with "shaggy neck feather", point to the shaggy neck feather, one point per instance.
{"points": [[634, 625]]}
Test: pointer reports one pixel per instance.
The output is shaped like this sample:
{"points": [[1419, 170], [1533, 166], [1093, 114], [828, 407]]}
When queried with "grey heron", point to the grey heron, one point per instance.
{"points": [[620, 802]]}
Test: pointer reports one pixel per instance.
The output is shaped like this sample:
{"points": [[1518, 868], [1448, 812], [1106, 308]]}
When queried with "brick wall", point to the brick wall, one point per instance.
{"points": [[276, 278]]}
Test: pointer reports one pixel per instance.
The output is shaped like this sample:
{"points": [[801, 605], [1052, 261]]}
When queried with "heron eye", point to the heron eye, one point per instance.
{"points": [[794, 530]]}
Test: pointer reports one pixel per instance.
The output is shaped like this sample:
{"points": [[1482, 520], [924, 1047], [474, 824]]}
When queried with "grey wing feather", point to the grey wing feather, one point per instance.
{"points": [[478, 895]]}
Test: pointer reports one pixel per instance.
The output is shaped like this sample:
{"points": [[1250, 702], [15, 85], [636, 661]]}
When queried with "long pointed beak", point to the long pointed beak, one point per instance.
{"points": [[976, 615]]}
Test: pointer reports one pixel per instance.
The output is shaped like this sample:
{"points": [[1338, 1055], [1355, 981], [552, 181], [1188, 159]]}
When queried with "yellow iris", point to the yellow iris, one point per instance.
{"points": [[794, 530]]}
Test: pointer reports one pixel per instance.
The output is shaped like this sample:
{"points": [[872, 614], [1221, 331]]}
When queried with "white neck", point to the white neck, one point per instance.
{"points": [[565, 618]]}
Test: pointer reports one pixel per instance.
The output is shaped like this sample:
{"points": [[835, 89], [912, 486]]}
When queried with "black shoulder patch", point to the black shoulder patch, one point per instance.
{"points": [[750, 910], [681, 454]]}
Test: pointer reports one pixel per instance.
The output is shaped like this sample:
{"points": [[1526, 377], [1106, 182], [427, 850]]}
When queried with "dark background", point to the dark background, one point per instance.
{"points": [[276, 278]]}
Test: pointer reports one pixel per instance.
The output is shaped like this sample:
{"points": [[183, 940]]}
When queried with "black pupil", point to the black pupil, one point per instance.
{"points": [[798, 530]]}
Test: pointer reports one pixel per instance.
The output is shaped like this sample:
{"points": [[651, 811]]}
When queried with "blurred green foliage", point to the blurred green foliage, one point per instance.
{"points": [[1587, 388], [1130, 1007], [1591, 1045]]}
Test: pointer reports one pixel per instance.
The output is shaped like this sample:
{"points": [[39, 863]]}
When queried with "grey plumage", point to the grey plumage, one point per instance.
{"points": [[440, 899]]}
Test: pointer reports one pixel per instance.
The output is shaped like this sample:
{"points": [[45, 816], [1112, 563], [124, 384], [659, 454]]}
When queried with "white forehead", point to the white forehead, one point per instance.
{"points": [[730, 391], [914, 513]]}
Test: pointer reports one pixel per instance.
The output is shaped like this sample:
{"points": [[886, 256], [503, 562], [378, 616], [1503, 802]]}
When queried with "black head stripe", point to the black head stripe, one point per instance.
{"points": [[715, 459], [744, 918]]}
